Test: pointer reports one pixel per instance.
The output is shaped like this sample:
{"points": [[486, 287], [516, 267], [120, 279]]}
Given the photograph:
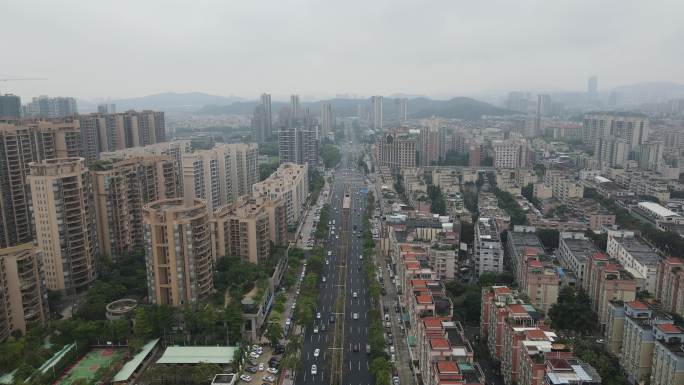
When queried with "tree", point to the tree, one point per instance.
{"points": [[330, 154], [203, 372], [549, 238], [274, 332], [576, 303], [232, 315]]}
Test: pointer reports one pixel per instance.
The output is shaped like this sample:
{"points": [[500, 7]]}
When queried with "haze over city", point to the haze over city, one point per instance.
{"points": [[95, 50], [305, 192]]}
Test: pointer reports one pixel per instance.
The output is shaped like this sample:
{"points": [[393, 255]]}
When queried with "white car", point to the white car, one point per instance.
{"points": [[246, 378], [361, 257], [314, 370], [323, 278], [317, 352], [391, 349], [355, 316], [327, 261], [318, 315], [329, 253], [288, 322], [315, 329], [354, 294], [272, 370], [254, 355], [269, 378], [261, 367]]}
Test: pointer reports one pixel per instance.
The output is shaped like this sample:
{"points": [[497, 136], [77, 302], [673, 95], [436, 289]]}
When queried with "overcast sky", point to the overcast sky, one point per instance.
{"points": [[96, 49]]}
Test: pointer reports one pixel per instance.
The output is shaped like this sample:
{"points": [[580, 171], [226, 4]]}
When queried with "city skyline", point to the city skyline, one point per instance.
{"points": [[458, 51]]}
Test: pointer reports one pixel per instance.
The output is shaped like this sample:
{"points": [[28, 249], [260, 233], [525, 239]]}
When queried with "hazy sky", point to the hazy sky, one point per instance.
{"points": [[95, 49]]}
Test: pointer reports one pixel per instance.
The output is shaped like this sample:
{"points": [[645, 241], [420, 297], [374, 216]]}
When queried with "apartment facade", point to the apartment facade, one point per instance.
{"points": [[512, 153], [64, 217], [298, 145], [396, 150], [178, 251], [220, 175], [670, 285], [289, 184], [121, 189], [573, 253], [23, 297], [247, 228], [488, 248], [607, 281]]}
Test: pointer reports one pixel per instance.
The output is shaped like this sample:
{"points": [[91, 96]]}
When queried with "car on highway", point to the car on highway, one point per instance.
{"points": [[393, 358], [361, 257], [391, 349], [314, 370], [323, 279], [315, 329], [331, 319], [246, 378], [355, 294], [318, 315], [355, 316], [395, 380], [317, 352], [288, 322]]}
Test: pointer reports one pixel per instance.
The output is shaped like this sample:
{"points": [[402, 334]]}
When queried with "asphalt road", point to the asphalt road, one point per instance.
{"points": [[347, 178]]}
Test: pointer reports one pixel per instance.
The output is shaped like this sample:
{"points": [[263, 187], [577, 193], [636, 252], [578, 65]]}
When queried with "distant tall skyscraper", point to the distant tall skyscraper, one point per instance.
{"points": [[376, 101], [326, 119], [10, 106], [106, 108], [268, 128], [260, 123], [64, 218], [295, 107], [592, 88], [402, 109], [47, 107]]}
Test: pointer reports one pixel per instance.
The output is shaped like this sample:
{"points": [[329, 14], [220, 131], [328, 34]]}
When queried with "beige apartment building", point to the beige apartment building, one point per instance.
{"points": [[23, 142], [178, 251], [247, 228], [64, 217], [290, 184], [222, 174], [174, 148], [23, 298], [121, 189], [396, 150]]}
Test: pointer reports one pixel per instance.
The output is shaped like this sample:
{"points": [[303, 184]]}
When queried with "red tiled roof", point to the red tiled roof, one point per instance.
{"points": [[424, 299], [412, 265], [529, 250], [432, 322], [502, 290], [440, 343], [669, 328], [637, 305], [517, 308], [535, 335], [534, 263], [447, 367], [600, 256]]}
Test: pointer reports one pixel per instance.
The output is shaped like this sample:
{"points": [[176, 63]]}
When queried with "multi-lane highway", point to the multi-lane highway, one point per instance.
{"points": [[345, 280]]}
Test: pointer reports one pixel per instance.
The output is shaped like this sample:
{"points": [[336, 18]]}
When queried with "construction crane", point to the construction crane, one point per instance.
{"points": [[19, 79]]}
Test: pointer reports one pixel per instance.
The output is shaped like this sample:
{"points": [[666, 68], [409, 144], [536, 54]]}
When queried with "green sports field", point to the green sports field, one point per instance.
{"points": [[87, 366]]}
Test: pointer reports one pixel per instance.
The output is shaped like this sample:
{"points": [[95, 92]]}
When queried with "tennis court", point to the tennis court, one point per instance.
{"points": [[87, 366]]}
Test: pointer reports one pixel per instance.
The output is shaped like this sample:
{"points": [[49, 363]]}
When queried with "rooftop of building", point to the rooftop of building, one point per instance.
{"points": [[658, 209], [639, 250], [580, 248], [570, 371]]}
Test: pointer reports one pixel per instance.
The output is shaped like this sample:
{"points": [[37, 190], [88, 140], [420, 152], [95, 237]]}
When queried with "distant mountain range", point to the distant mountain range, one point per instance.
{"points": [[456, 108], [166, 101]]}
